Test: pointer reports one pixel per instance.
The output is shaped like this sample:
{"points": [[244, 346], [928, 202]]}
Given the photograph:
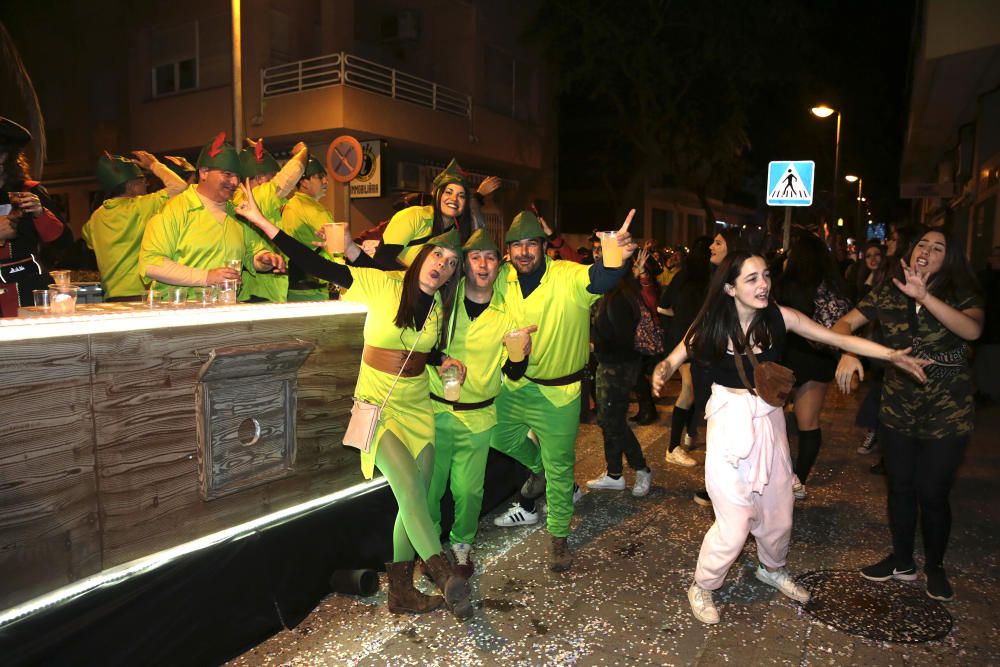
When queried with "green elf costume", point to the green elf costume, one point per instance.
{"points": [[271, 188], [403, 445], [556, 296], [464, 428], [192, 235], [410, 229], [114, 231], [301, 218]]}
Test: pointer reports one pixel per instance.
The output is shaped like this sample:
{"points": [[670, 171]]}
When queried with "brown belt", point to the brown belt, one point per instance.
{"points": [[391, 361]]}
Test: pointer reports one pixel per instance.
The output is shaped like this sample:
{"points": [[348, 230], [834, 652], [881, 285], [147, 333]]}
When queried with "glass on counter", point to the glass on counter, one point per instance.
{"points": [[41, 298], [62, 299], [226, 292], [60, 277]]}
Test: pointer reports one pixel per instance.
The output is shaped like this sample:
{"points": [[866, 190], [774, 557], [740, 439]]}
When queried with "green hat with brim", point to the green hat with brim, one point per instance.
{"points": [[313, 167], [452, 174], [113, 170], [255, 160], [450, 240], [525, 226], [179, 165], [219, 154], [481, 240]]}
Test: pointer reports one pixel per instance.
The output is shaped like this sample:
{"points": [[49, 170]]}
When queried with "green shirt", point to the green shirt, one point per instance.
{"points": [[560, 306], [185, 232], [479, 345], [270, 286], [943, 406], [114, 232], [415, 222], [301, 218]]}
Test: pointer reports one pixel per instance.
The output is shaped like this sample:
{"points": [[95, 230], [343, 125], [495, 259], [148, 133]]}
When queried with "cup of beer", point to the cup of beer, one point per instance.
{"points": [[611, 251], [60, 277], [515, 340], [452, 385], [334, 233]]}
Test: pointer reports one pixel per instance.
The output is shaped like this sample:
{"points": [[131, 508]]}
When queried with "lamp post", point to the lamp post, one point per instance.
{"points": [[851, 178], [824, 111]]}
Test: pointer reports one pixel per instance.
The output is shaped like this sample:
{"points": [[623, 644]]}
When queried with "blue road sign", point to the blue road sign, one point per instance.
{"points": [[790, 183]]}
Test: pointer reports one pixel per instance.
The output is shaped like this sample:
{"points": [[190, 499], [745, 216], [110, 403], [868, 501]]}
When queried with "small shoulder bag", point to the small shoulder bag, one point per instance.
{"points": [[772, 382], [365, 416]]}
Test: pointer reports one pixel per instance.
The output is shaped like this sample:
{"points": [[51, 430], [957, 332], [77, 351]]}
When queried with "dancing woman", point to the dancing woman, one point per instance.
{"points": [[748, 471], [405, 310]]}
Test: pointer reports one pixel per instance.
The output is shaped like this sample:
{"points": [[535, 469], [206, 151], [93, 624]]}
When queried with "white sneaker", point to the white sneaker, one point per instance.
{"points": [[516, 516], [798, 489], [606, 482], [679, 457], [702, 605], [643, 479], [783, 582]]}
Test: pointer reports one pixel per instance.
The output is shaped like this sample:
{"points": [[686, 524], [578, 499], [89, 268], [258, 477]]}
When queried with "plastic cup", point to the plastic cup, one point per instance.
{"points": [[41, 298], [60, 277], [152, 298], [62, 299], [610, 250], [452, 386], [515, 340], [206, 296], [226, 292], [334, 233], [177, 296]]}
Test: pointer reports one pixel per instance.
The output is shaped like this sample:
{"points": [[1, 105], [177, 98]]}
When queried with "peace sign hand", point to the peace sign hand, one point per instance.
{"points": [[915, 286]]}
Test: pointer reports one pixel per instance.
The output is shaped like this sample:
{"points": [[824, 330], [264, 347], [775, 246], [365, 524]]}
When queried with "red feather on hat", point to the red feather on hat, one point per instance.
{"points": [[114, 164], [258, 151], [216, 146]]}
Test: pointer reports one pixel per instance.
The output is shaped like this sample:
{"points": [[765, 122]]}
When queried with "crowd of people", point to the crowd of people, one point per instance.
{"points": [[529, 329]]}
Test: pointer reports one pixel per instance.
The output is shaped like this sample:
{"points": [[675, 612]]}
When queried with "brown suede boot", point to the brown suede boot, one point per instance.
{"points": [[562, 557], [403, 597], [454, 587]]}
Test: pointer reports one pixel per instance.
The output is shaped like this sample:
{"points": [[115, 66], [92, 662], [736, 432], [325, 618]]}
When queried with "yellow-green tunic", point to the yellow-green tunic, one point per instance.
{"points": [[185, 232], [479, 345], [415, 222], [271, 286], [114, 232], [560, 306], [408, 413], [301, 218]]}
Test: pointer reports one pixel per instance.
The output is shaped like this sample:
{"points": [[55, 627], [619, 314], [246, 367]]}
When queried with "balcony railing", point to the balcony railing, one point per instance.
{"points": [[339, 69]]}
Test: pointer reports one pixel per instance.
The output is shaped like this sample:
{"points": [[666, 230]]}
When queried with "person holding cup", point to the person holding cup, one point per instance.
{"points": [[406, 311], [480, 324], [555, 296], [302, 217]]}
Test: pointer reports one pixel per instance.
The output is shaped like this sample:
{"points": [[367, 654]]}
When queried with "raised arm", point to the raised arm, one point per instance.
{"points": [[966, 324]]}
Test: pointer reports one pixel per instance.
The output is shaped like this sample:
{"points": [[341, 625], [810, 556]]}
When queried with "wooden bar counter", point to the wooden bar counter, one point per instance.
{"points": [[130, 430]]}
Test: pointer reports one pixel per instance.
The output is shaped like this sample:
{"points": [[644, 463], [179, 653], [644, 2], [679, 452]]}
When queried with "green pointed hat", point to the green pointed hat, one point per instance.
{"points": [[449, 239], [219, 154], [452, 174], [525, 226], [179, 165], [313, 167], [113, 170], [481, 240], [255, 160]]}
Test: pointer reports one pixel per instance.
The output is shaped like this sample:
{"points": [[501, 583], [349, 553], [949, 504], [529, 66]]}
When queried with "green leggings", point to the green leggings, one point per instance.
{"points": [[409, 480]]}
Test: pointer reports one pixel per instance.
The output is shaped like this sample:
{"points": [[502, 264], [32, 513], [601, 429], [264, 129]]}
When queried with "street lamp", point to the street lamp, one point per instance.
{"points": [[851, 178], [824, 111]]}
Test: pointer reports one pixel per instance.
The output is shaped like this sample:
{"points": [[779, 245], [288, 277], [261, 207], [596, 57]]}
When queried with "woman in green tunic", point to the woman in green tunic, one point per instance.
{"points": [[405, 310]]}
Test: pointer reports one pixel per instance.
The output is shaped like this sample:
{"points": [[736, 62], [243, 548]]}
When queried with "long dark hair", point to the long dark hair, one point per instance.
{"points": [[718, 323], [406, 315], [626, 288], [955, 274], [810, 263], [735, 242], [464, 221]]}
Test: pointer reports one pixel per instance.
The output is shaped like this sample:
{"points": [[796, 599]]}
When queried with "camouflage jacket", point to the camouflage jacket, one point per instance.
{"points": [[944, 405]]}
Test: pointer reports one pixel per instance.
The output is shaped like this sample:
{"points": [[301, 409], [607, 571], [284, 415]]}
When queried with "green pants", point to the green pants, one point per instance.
{"points": [[556, 427], [460, 455], [408, 478]]}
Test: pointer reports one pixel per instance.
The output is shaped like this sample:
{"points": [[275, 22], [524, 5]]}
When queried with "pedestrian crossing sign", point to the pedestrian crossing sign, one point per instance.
{"points": [[790, 183]]}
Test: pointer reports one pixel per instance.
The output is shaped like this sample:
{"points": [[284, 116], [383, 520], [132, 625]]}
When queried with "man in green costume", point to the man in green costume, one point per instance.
{"points": [[114, 231], [556, 296], [190, 240], [463, 428], [271, 189], [301, 218]]}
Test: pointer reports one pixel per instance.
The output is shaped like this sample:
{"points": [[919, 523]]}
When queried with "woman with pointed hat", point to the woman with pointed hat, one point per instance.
{"points": [[405, 312]]}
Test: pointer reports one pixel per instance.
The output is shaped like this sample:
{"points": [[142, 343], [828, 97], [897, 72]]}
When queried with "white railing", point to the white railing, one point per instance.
{"points": [[343, 69]]}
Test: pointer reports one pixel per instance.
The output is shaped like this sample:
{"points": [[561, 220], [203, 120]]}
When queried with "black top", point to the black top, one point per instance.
{"points": [[705, 373], [684, 295], [613, 332]]}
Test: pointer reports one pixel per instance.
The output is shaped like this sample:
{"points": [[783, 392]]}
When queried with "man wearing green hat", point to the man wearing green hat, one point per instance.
{"points": [[271, 188], [190, 241], [463, 428], [114, 231], [301, 218], [556, 296]]}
